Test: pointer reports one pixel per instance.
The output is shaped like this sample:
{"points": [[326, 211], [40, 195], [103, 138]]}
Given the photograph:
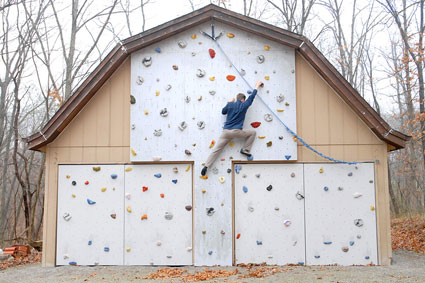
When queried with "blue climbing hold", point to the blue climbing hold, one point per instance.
{"points": [[158, 50], [287, 157], [317, 256], [106, 249], [351, 243], [89, 243], [174, 181], [238, 169], [249, 91], [327, 242], [89, 201], [159, 175], [114, 176], [245, 189], [72, 263], [301, 262], [210, 252], [250, 158], [259, 243], [325, 188], [367, 257]]}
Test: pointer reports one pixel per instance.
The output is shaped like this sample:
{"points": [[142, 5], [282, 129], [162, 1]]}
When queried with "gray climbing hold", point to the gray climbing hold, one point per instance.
{"points": [[229, 170], [200, 73], [212, 92], [245, 189], [214, 170], [259, 243], [340, 188], [182, 43], [169, 256], [189, 249], [350, 174], [168, 87], [187, 99], [280, 98], [268, 117], [157, 132], [210, 211], [359, 236], [163, 112], [276, 208], [168, 215], [201, 125], [67, 216], [74, 183], [158, 243], [132, 99], [269, 188], [222, 232], [357, 195], [65, 256], [281, 137], [250, 208], [133, 126], [345, 249], [147, 61], [176, 170], [299, 196], [244, 176], [182, 126], [260, 59], [128, 196], [139, 80], [358, 222], [193, 53], [243, 72], [258, 175]]}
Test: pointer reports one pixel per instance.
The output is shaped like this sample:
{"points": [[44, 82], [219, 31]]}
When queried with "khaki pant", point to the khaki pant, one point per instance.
{"points": [[226, 137]]}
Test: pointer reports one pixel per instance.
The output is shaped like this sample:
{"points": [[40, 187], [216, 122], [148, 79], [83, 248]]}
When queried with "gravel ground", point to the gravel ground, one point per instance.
{"points": [[407, 267]]}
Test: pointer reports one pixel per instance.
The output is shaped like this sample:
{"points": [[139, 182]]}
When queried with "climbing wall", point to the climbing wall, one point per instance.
{"points": [[269, 214], [179, 87], [158, 216], [90, 218], [340, 214]]}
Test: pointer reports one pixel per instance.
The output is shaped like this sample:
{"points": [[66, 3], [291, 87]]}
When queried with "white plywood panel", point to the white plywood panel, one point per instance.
{"points": [[157, 240], [91, 236], [260, 215], [330, 214]]}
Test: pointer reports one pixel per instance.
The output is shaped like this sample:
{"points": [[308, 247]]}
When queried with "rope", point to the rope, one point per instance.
{"points": [[277, 117]]}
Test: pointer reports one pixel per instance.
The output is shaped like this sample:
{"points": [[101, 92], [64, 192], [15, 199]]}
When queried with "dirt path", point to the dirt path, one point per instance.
{"points": [[407, 267]]}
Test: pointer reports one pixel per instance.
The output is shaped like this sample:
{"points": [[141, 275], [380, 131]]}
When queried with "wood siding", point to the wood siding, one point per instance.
{"points": [[100, 134]]}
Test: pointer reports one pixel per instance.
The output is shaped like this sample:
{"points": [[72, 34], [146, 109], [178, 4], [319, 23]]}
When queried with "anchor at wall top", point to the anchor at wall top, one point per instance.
{"points": [[212, 36]]}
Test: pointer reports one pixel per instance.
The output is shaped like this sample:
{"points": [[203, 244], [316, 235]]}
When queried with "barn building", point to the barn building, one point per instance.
{"points": [[124, 154]]}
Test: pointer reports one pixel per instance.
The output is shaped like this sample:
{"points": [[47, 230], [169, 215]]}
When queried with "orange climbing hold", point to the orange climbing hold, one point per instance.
{"points": [[255, 124], [193, 36], [212, 53], [230, 35], [212, 79], [238, 236], [266, 47], [203, 177], [230, 78], [161, 195], [212, 143], [145, 189], [144, 217]]}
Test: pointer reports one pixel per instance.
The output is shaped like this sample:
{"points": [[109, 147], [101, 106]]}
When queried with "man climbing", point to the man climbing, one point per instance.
{"points": [[235, 111]]}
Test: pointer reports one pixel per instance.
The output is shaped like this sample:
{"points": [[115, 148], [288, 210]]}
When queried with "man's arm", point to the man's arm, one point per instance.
{"points": [[250, 99]]}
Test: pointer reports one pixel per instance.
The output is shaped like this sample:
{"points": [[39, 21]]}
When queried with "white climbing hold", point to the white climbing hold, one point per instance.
{"points": [[168, 215], [222, 232], [157, 132], [176, 170], [201, 125], [187, 99], [215, 170], [147, 61], [139, 80], [210, 211], [65, 256], [182, 126], [200, 73], [156, 158], [268, 117], [299, 196], [243, 72], [358, 222], [260, 59], [67, 216], [128, 196], [250, 208], [163, 112], [189, 249], [357, 195], [133, 126], [280, 98], [287, 223], [222, 179], [182, 44], [212, 92], [167, 87]]}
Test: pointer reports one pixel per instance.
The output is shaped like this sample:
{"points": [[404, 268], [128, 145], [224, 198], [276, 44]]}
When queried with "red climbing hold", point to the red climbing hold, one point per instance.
{"points": [[145, 188], [162, 195], [255, 124], [86, 182], [212, 53], [238, 236], [230, 78]]}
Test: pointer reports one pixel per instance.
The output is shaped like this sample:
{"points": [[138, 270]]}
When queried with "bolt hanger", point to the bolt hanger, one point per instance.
{"points": [[212, 36]]}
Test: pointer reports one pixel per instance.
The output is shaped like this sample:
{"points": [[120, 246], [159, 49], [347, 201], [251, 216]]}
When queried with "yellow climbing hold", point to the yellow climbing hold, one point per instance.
{"points": [[96, 169], [279, 110], [267, 78], [212, 143], [103, 190], [73, 195], [231, 144], [193, 36], [230, 35], [133, 152], [372, 208], [67, 176], [203, 177], [146, 112], [212, 79], [200, 98], [261, 137], [221, 179], [128, 209], [157, 92], [266, 47], [321, 170], [188, 168], [128, 169], [193, 144], [222, 204], [295, 139], [204, 191], [128, 249]]}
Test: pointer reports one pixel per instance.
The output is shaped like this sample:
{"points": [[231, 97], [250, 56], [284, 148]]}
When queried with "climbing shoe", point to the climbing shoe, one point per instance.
{"points": [[204, 171], [245, 152]]}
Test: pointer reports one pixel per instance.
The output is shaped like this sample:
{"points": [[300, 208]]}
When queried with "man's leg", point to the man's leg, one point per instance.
{"points": [[249, 136], [224, 139]]}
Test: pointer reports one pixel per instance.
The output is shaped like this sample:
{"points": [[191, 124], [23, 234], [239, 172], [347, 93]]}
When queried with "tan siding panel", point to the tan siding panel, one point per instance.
{"points": [[103, 114], [321, 111], [118, 105], [336, 116]]}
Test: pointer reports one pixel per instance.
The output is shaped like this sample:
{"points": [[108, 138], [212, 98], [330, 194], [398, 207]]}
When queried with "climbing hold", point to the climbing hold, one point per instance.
{"points": [[201, 125], [158, 175], [204, 232], [327, 242], [114, 176], [255, 124], [258, 175], [372, 208], [259, 243], [345, 249], [212, 92], [106, 249], [174, 181], [281, 137], [210, 211], [292, 175], [238, 169], [367, 257], [358, 222], [113, 216], [260, 59], [157, 133], [163, 112], [89, 243], [269, 188], [157, 92], [222, 159], [188, 168], [168, 87], [340, 188], [221, 179], [86, 182], [268, 117], [230, 35], [128, 208], [156, 158], [203, 177], [188, 207], [73, 195], [128, 196], [168, 215], [144, 189], [175, 67], [182, 126], [212, 53], [351, 243], [158, 50], [68, 176], [266, 47], [133, 126], [193, 53], [66, 216], [189, 249], [158, 243], [287, 223], [245, 189], [230, 78], [169, 256], [249, 91], [279, 110], [212, 144], [103, 189], [321, 170], [200, 98], [176, 170], [267, 78], [269, 144], [359, 236], [276, 208], [72, 263], [193, 36], [147, 61], [89, 201], [244, 176], [210, 252], [215, 170], [250, 209], [182, 44], [187, 99], [161, 195], [280, 98], [200, 73], [128, 249], [96, 169], [325, 188], [299, 195], [146, 112], [222, 232], [238, 236], [144, 217], [350, 174], [371, 181], [317, 256], [133, 152], [139, 80], [357, 195], [211, 78], [229, 170]]}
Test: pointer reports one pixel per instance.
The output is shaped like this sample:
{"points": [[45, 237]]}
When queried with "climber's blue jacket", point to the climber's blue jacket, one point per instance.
{"points": [[236, 112]]}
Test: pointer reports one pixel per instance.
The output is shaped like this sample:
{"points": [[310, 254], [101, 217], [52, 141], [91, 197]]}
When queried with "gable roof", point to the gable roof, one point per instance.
{"points": [[121, 51]]}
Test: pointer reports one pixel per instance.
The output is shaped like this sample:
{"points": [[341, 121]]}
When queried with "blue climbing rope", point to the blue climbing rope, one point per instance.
{"points": [[277, 117]]}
